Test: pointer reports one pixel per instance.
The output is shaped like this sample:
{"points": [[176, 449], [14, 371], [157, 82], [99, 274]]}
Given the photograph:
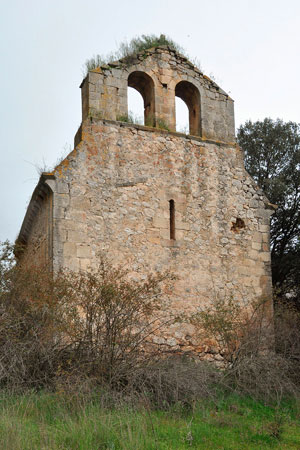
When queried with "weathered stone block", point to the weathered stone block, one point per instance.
{"points": [[76, 236], [160, 222], [62, 187], [256, 245], [69, 249], [83, 251], [58, 212]]}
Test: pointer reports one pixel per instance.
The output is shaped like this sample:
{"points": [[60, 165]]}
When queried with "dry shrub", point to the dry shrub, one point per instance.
{"points": [[265, 377], [55, 328], [260, 360], [30, 338], [112, 319], [237, 328], [287, 326], [81, 330], [176, 380]]}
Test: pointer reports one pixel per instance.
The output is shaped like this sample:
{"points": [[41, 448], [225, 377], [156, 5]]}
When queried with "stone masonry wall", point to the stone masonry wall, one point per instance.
{"points": [[112, 195], [38, 248], [104, 92], [114, 191]]}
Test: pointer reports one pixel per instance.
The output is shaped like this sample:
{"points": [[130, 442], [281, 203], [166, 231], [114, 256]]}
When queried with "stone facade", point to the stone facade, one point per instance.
{"points": [[159, 75], [155, 199]]}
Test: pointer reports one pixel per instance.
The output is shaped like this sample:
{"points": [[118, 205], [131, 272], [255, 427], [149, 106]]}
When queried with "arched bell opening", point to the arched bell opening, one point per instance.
{"points": [[135, 106], [144, 84], [187, 92], [182, 116]]}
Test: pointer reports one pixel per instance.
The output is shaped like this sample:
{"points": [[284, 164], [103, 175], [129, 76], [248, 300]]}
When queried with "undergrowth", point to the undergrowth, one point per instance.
{"points": [[60, 421], [78, 370]]}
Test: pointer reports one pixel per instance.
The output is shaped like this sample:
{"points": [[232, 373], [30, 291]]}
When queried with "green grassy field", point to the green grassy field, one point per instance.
{"points": [[57, 421]]}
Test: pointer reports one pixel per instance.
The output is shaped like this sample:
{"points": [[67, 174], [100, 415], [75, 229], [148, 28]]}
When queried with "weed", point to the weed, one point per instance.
{"points": [[126, 54], [160, 123], [130, 118]]}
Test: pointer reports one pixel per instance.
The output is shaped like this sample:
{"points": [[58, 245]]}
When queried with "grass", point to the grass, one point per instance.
{"points": [[127, 50], [130, 118], [58, 421]]}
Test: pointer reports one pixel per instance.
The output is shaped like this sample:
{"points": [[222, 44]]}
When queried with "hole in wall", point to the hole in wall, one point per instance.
{"points": [[238, 225], [182, 116]]}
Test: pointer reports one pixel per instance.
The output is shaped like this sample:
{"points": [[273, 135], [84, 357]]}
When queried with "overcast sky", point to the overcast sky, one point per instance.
{"points": [[252, 48]]}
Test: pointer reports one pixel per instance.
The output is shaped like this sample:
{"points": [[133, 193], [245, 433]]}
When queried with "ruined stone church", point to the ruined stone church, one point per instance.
{"points": [[152, 198]]}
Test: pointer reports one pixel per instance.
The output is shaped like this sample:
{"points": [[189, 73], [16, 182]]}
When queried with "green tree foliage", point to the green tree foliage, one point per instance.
{"points": [[272, 157]]}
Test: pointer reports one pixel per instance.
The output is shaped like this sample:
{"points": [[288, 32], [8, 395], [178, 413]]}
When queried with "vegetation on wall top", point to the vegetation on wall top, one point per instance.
{"points": [[127, 50]]}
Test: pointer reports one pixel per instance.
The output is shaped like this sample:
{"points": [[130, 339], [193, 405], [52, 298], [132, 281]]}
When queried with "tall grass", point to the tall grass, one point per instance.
{"points": [[59, 421], [127, 50]]}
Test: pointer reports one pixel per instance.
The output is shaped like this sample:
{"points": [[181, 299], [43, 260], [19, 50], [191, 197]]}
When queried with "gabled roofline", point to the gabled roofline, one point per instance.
{"points": [[123, 63]]}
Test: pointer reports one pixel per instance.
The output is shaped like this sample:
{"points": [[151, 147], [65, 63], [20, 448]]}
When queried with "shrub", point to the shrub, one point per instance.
{"points": [[244, 333], [287, 336], [236, 327], [176, 380], [112, 320], [30, 337], [95, 323]]}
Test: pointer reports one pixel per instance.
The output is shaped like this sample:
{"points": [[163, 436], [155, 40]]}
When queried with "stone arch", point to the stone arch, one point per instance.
{"points": [[144, 84], [190, 94]]}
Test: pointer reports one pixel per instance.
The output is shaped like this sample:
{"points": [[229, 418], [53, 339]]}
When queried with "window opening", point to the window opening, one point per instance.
{"points": [[182, 116], [172, 219], [144, 84], [191, 97], [135, 106]]}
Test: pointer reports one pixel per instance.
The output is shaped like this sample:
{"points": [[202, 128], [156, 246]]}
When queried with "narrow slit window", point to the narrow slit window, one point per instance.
{"points": [[172, 219]]}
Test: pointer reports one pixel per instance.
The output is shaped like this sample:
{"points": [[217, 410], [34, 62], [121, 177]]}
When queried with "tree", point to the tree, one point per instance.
{"points": [[272, 157]]}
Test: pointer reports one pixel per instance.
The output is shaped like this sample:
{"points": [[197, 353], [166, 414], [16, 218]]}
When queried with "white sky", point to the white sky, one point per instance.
{"points": [[251, 47]]}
